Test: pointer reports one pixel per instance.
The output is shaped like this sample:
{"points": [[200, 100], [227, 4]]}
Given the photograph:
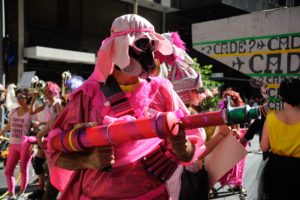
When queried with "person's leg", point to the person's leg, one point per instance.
{"points": [[237, 180], [11, 163], [40, 156], [51, 192], [42, 175], [26, 156], [238, 174], [38, 162]]}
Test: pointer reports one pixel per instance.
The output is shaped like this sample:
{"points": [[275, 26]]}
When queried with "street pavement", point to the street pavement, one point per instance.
{"points": [[252, 163]]}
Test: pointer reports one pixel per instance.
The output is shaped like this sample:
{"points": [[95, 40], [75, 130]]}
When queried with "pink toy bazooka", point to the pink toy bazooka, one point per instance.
{"points": [[163, 125]]}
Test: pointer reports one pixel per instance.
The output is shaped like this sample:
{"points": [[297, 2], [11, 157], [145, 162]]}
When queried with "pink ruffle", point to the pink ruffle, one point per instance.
{"points": [[156, 95]]}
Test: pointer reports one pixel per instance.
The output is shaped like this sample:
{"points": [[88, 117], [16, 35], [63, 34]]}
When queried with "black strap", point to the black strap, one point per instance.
{"points": [[110, 87], [116, 97], [118, 101]]}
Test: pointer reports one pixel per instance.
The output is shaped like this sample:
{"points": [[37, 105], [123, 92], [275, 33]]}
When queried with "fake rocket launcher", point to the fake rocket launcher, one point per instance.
{"points": [[163, 125]]}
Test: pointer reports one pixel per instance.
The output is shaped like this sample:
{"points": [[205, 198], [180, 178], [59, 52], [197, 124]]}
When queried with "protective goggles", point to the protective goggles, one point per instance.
{"points": [[144, 44]]}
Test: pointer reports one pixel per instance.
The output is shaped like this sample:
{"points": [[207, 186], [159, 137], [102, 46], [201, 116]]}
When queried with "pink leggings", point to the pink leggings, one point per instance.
{"points": [[18, 152]]}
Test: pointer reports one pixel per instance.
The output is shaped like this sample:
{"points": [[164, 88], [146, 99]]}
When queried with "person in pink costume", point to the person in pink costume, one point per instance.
{"points": [[19, 149], [234, 177], [178, 68], [126, 56], [49, 110]]}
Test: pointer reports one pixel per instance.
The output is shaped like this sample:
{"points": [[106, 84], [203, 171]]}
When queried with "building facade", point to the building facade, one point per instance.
{"points": [[52, 36]]}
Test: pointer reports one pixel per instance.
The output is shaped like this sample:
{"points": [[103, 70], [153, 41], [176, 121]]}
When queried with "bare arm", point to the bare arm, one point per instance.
{"points": [[33, 109], [222, 132], [182, 146], [58, 108], [5, 129], [44, 131], [99, 158], [211, 144]]}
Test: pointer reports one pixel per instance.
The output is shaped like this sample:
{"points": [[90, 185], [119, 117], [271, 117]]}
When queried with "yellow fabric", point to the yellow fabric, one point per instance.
{"points": [[129, 88], [284, 138], [209, 132]]}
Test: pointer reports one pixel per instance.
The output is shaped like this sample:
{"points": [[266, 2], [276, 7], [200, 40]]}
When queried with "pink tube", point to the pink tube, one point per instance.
{"points": [[203, 119], [163, 125], [160, 126]]}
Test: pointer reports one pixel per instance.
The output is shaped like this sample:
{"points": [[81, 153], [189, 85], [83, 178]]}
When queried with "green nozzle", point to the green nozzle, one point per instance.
{"points": [[253, 113], [242, 114]]}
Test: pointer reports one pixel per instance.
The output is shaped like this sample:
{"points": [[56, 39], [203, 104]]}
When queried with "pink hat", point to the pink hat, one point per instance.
{"points": [[180, 68], [125, 31]]}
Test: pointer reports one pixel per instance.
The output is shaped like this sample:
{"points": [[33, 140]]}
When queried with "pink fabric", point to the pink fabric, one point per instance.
{"points": [[59, 177], [178, 50], [179, 61], [177, 40], [109, 120], [150, 195], [125, 31], [19, 149], [177, 67], [53, 88], [20, 126], [235, 175], [22, 152], [49, 111], [128, 173]]}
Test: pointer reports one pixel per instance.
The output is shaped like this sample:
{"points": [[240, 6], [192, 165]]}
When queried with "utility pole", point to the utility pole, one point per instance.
{"points": [[2, 32], [135, 6], [2, 35], [20, 38]]}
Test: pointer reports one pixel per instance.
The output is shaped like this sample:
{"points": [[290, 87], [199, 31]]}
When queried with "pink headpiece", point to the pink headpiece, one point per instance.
{"points": [[125, 31], [53, 88], [179, 68]]}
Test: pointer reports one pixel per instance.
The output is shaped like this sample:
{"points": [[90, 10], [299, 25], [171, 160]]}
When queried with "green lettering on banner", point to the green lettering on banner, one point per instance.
{"points": [[271, 75], [269, 58], [294, 35]]}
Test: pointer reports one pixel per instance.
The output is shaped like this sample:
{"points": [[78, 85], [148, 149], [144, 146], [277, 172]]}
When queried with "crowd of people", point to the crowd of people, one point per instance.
{"points": [[30, 118], [140, 74]]}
